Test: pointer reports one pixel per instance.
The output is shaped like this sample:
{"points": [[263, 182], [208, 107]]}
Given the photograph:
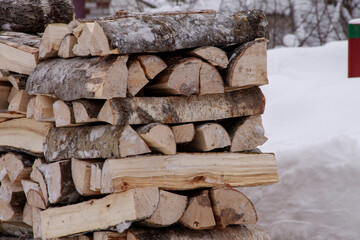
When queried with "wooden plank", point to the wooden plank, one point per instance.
{"points": [[144, 110], [132, 205], [189, 171]]}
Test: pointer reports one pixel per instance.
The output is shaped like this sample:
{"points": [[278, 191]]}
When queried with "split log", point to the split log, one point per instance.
{"points": [[16, 229], [246, 133], [188, 171], [34, 196], [86, 111], [11, 204], [30, 108], [132, 205], [210, 80], [92, 41], [18, 166], [158, 137], [5, 90], [169, 210], [95, 176], [13, 186], [18, 81], [81, 175], [75, 78], [18, 51], [86, 142], [213, 55], [209, 136], [19, 102], [3, 172], [178, 79], [248, 65], [24, 135], [51, 39], [36, 213], [4, 75], [232, 207], [41, 108], [152, 65], [247, 232], [184, 133], [136, 33], [12, 93], [60, 186], [36, 176], [66, 46], [9, 115], [64, 114], [144, 110], [109, 236], [136, 78], [32, 17], [199, 214], [27, 215]]}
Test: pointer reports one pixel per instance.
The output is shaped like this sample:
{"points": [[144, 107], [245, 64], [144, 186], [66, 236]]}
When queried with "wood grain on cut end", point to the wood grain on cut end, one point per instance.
{"points": [[213, 55]]}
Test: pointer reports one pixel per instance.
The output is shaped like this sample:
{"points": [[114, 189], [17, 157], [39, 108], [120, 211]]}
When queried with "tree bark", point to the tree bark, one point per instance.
{"points": [[144, 110], [75, 78], [188, 171], [163, 32], [33, 16], [246, 232], [86, 142]]}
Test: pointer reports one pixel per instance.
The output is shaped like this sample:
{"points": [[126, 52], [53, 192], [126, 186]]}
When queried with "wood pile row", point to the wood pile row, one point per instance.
{"points": [[135, 126]]}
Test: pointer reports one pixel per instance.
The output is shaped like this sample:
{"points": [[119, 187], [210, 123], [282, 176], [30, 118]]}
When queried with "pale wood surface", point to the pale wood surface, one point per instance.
{"points": [[64, 114], [158, 137], [27, 215], [189, 171], [34, 196], [76, 78], [24, 135], [17, 165], [81, 175], [98, 214], [36, 176], [18, 81], [85, 142], [248, 65], [95, 176], [18, 52], [213, 55], [12, 93], [246, 232], [232, 207], [5, 90], [199, 214], [136, 78], [43, 108], [51, 39], [144, 110], [169, 210], [66, 46], [152, 65], [178, 79], [86, 111], [19, 102], [183, 133], [210, 80]]}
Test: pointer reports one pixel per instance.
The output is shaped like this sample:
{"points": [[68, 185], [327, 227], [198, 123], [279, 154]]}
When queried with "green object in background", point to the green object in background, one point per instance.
{"points": [[354, 29]]}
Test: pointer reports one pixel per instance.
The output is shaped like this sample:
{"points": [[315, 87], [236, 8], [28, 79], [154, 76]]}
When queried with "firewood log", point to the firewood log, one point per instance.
{"points": [[158, 137], [81, 175], [136, 78], [18, 81], [152, 65], [178, 79], [27, 215], [246, 232], [199, 214], [16, 229], [19, 102], [232, 207], [32, 17], [36, 176], [210, 80], [34, 196], [144, 110], [25, 135], [58, 178], [11, 204], [213, 55], [18, 166], [248, 65], [64, 114], [188, 171], [87, 142], [246, 133], [86, 111], [75, 78], [107, 235], [169, 210], [40, 108], [66, 46], [132, 205], [209, 136], [51, 39], [36, 214], [12, 93], [95, 176], [5, 90], [183, 133]]}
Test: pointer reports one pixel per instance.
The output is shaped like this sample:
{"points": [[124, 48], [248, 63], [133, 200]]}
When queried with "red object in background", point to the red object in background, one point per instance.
{"points": [[354, 57], [79, 8]]}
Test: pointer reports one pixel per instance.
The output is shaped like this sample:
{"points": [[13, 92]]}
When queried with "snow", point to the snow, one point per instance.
{"points": [[355, 21], [312, 120]]}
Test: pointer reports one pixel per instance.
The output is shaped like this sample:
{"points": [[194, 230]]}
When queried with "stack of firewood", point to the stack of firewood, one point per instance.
{"points": [[135, 126]]}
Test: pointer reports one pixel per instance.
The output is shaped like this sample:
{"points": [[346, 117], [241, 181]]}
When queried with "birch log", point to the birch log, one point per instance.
{"points": [[75, 78], [144, 110], [103, 141], [33, 16], [161, 32]]}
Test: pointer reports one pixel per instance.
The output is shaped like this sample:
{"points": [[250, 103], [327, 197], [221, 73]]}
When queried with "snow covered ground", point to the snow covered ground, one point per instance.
{"points": [[312, 120]]}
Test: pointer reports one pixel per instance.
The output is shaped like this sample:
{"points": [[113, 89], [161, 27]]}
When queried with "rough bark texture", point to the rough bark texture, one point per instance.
{"points": [[32, 16], [15, 229], [143, 110], [86, 111], [103, 141], [75, 78], [246, 232], [179, 30]]}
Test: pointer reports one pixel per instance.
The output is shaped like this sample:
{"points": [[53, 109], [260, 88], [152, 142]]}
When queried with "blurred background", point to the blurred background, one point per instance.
{"points": [[293, 23]]}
